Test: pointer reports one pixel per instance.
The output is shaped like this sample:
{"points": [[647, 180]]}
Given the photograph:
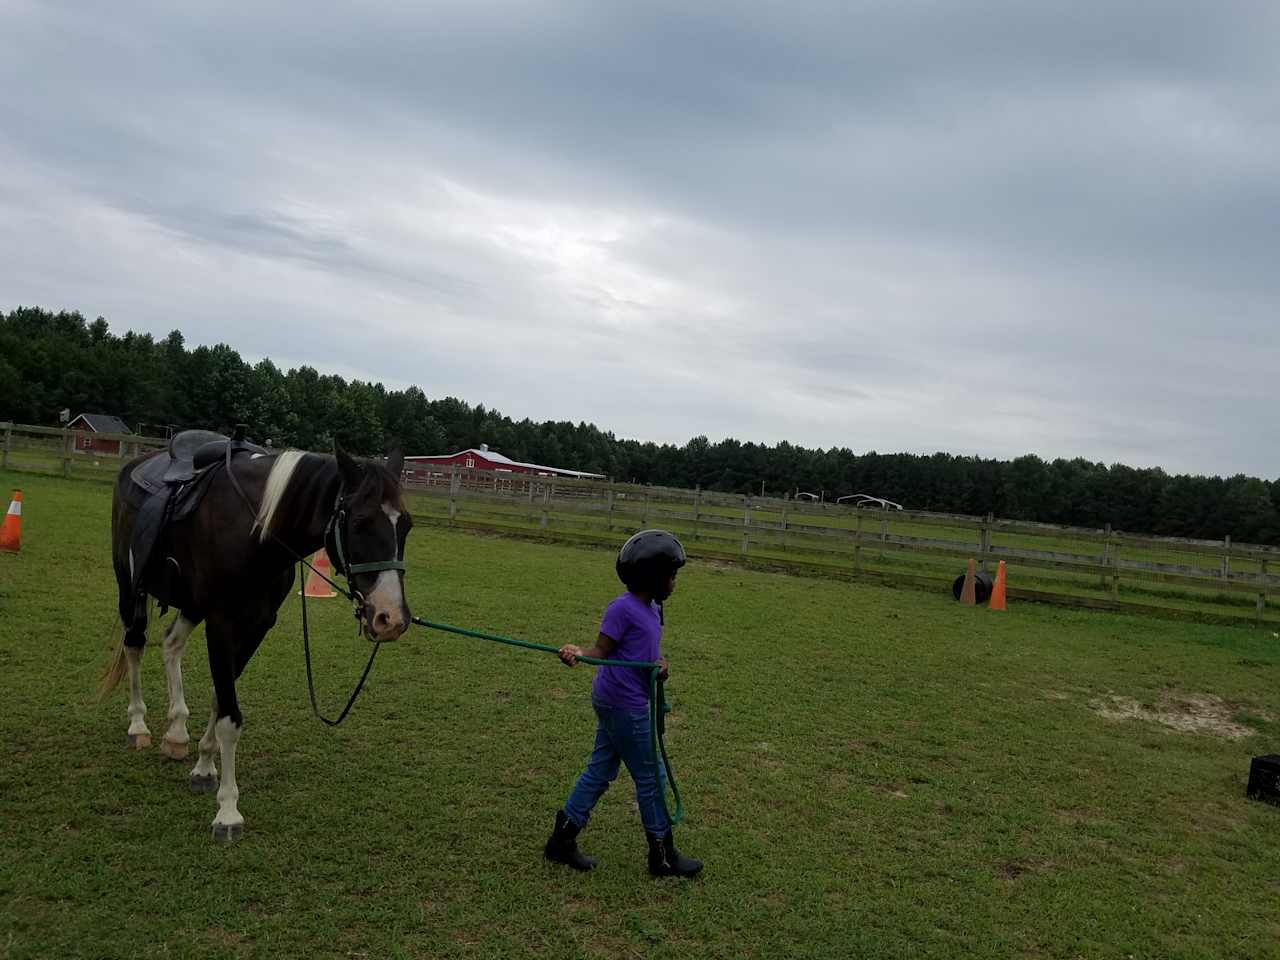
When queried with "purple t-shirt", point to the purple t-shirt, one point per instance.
{"points": [[636, 629]]}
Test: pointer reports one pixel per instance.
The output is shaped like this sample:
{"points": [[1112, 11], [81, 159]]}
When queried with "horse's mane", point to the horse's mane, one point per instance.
{"points": [[282, 472]]}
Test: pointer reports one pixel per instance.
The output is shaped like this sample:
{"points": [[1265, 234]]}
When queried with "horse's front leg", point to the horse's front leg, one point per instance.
{"points": [[176, 743], [231, 644]]}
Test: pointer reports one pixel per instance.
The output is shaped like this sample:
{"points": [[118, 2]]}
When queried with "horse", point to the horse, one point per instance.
{"points": [[225, 557]]}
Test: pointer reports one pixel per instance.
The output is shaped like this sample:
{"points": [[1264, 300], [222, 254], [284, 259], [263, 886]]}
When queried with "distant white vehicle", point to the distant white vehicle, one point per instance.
{"points": [[867, 500], [802, 495]]}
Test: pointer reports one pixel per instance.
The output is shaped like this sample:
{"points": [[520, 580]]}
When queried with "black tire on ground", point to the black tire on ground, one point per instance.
{"points": [[982, 583]]}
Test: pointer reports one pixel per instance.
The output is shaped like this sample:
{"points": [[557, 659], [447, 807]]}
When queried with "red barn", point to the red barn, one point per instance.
{"points": [[98, 423], [428, 469]]}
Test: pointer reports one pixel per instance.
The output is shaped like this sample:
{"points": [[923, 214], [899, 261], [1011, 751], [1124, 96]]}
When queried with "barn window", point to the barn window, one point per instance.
{"points": [[87, 442], [471, 462]]}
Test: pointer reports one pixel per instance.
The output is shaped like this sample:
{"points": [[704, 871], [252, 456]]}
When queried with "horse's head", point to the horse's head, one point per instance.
{"points": [[366, 541]]}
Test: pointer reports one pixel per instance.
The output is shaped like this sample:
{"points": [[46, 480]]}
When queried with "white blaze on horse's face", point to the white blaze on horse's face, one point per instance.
{"points": [[388, 615]]}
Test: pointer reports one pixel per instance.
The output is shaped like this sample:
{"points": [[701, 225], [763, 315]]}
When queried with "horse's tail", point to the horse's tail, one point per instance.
{"points": [[115, 669]]}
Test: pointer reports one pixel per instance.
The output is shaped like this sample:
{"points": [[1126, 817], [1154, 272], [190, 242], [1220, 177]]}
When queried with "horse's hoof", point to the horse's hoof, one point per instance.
{"points": [[137, 741], [174, 750], [203, 782], [228, 832]]}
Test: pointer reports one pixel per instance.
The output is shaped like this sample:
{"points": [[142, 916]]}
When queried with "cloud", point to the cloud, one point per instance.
{"points": [[991, 229]]}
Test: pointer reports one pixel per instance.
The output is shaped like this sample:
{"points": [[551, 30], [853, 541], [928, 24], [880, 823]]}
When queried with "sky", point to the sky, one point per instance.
{"points": [[988, 228]]}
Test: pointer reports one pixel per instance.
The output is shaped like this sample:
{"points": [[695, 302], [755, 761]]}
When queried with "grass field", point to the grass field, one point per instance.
{"points": [[868, 772]]}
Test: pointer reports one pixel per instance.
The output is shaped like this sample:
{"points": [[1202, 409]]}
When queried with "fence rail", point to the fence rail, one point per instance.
{"points": [[70, 452], [1096, 568]]}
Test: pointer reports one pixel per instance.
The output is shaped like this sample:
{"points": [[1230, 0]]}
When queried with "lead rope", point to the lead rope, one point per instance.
{"points": [[658, 706]]}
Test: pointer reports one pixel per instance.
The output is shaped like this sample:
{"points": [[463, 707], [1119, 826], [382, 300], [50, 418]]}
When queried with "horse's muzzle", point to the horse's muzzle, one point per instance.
{"points": [[381, 626]]}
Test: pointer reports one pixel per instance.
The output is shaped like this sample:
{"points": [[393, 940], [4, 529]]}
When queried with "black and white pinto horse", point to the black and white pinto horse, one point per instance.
{"points": [[231, 568]]}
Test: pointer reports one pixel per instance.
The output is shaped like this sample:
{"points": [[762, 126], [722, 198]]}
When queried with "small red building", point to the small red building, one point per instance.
{"points": [[428, 469], [89, 423]]}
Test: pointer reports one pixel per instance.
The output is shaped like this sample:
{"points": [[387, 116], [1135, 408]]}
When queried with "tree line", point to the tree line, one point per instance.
{"points": [[52, 361]]}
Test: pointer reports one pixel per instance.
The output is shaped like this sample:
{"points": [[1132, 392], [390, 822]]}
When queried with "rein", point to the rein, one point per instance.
{"points": [[658, 706]]}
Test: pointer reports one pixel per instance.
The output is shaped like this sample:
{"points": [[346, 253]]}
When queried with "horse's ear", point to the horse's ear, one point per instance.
{"points": [[395, 458], [347, 466]]}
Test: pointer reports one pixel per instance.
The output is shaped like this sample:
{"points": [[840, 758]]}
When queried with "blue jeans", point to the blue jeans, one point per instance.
{"points": [[622, 735]]}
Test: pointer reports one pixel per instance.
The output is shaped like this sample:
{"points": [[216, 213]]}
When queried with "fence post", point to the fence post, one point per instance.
{"points": [[453, 491], [8, 443], [1226, 557], [1106, 555], [528, 513], [610, 497], [857, 543], [546, 499], [1115, 573], [1262, 596], [746, 524], [644, 510], [697, 508], [984, 541], [784, 525], [68, 443]]}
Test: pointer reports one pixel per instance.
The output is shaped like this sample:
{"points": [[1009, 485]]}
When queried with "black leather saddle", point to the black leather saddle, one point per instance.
{"points": [[191, 454], [168, 486]]}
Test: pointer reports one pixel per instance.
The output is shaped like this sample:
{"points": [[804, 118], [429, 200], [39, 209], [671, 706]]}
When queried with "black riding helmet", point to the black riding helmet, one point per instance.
{"points": [[647, 561]]}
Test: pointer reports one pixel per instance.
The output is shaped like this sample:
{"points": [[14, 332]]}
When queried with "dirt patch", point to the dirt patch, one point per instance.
{"points": [[1187, 713], [1011, 870]]}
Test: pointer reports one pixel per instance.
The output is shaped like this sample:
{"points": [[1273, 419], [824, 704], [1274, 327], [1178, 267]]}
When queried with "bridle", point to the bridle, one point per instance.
{"points": [[338, 555]]}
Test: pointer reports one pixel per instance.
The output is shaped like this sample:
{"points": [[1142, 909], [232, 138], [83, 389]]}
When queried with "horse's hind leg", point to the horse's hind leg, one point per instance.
{"points": [[138, 737], [176, 742]]}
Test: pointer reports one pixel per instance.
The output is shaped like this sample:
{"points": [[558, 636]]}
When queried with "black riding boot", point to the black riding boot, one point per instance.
{"points": [[562, 845], [666, 861]]}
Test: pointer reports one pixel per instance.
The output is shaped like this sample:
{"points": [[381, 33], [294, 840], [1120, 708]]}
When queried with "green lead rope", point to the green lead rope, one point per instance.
{"points": [[658, 706]]}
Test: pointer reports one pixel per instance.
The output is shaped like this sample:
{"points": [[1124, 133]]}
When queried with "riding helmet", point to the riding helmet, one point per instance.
{"points": [[647, 561]]}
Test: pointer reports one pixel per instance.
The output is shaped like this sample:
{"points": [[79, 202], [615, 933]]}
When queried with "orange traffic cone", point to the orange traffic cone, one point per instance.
{"points": [[968, 593], [997, 591], [317, 586], [11, 532]]}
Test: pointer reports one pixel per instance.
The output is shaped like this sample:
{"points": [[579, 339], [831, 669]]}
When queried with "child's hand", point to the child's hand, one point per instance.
{"points": [[569, 654], [664, 673]]}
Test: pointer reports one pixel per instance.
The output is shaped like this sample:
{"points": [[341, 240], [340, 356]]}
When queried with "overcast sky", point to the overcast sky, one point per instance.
{"points": [[986, 228]]}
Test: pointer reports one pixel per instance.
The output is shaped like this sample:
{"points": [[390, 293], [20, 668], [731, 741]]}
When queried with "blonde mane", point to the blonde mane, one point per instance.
{"points": [[277, 483]]}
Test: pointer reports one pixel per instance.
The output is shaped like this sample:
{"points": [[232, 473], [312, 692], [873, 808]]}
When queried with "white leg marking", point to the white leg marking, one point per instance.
{"points": [[137, 709], [228, 824], [204, 774], [176, 737]]}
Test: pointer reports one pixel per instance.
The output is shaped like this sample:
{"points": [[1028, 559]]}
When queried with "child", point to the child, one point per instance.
{"points": [[630, 630]]}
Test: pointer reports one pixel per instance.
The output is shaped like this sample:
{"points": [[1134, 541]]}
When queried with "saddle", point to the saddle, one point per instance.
{"points": [[169, 486]]}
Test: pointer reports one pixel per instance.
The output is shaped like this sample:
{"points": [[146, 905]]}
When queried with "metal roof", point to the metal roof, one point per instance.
{"points": [[494, 457], [103, 423]]}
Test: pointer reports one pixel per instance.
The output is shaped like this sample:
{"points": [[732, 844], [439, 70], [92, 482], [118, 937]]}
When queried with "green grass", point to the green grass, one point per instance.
{"points": [[867, 771]]}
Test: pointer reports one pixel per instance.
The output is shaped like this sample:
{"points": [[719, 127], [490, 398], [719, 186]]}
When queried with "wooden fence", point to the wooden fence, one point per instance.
{"points": [[1214, 580], [54, 449]]}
